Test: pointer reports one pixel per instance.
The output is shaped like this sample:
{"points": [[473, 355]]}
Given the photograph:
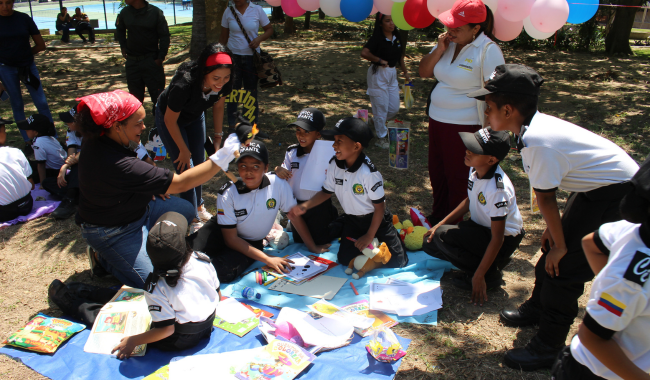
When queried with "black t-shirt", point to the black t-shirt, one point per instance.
{"points": [[115, 185], [389, 51], [184, 96], [15, 46]]}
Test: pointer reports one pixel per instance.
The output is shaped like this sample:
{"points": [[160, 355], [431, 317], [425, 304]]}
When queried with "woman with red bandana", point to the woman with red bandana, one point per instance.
{"points": [[118, 203], [180, 119]]}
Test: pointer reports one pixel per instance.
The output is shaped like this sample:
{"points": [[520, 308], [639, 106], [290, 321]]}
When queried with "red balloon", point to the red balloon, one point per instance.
{"points": [[416, 14]]}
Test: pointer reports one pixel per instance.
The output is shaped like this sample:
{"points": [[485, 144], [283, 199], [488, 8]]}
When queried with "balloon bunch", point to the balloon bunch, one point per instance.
{"points": [[539, 18]]}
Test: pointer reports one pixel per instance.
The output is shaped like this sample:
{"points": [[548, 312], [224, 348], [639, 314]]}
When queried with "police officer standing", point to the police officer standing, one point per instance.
{"points": [[144, 47]]}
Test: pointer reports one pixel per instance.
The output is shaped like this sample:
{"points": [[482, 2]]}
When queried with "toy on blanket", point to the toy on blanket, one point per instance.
{"points": [[244, 133], [373, 257], [277, 238], [384, 346], [411, 232], [415, 238]]}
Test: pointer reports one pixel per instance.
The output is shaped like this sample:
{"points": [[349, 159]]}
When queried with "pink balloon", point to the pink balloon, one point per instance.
{"points": [[505, 30], [384, 6], [436, 7], [514, 10], [374, 10], [274, 3], [291, 8], [309, 5], [549, 15]]}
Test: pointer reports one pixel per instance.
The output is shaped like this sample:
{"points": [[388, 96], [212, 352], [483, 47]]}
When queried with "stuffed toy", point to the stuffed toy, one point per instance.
{"points": [[277, 238], [415, 238], [244, 134], [397, 224], [407, 224], [374, 256]]}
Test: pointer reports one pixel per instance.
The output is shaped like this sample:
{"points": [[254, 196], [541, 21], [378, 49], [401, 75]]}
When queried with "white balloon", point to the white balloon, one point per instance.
{"points": [[309, 5], [331, 8], [436, 7], [536, 34], [384, 6], [492, 4]]}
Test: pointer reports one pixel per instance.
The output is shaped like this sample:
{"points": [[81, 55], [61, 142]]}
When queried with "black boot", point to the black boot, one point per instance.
{"points": [[536, 355], [527, 314], [64, 298], [65, 210]]}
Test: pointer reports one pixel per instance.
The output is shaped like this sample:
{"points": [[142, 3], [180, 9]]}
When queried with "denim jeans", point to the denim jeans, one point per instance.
{"points": [[194, 136], [9, 78], [65, 37], [122, 250], [244, 73]]}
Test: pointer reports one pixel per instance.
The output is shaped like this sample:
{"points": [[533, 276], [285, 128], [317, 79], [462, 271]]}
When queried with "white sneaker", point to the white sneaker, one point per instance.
{"points": [[382, 142], [194, 227], [204, 215]]}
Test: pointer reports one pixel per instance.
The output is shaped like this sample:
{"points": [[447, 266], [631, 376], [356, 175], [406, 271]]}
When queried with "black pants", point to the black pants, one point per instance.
{"points": [[142, 71], [464, 246], [71, 190], [228, 263], [318, 220], [566, 367], [355, 226], [558, 296], [83, 27], [65, 28], [186, 335], [21, 207]]}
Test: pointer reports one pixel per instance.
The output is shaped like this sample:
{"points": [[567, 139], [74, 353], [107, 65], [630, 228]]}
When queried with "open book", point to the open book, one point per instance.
{"points": [[125, 314], [279, 360]]}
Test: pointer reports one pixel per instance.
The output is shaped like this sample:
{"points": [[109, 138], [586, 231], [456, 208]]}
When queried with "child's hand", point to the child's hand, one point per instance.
{"points": [[60, 180], [553, 261], [279, 264], [71, 160], [429, 234], [318, 249], [479, 290], [283, 173], [124, 348], [298, 210], [363, 242]]}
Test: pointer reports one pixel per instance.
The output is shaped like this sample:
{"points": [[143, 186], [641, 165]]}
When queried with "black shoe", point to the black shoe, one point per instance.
{"points": [[527, 314], [536, 355], [65, 210], [464, 281], [95, 268], [63, 297]]}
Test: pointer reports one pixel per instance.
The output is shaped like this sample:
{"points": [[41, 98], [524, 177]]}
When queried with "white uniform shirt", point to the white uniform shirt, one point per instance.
{"points": [[193, 299], [449, 101], [493, 198], [295, 160], [253, 18], [357, 188], [72, 140], [253, 212], [557, 153], [13, 175], [620, 295], [47, 149]]}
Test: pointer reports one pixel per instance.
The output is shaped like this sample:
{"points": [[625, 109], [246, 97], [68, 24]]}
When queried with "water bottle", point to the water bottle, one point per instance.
{"points": [[240, 291]]}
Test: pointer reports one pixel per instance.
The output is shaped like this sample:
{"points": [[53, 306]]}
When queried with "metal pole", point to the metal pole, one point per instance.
{"points": [[105, 19], [174, 6], [60, 4], [30, 8]]}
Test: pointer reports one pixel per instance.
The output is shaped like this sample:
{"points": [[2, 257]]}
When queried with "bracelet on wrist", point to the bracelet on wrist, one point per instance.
{"points": [[218, 134]]}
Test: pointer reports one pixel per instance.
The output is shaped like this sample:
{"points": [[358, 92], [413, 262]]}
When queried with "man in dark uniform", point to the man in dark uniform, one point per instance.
{"points": [[144, 48]]}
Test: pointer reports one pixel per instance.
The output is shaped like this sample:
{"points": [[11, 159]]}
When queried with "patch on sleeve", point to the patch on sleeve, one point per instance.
{"points": [[501, 204], [241, 212], [295, 165], [611, 304], [470, 184], [154, 308], [639, 268], [376, 186], [338, 181]]}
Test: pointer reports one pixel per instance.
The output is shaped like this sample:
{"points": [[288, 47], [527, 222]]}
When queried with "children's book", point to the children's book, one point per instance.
{"points": [[161, 374], [362, 308], [280, 360], [325, 308], [125, 314], [242, 328], [283, 277]]}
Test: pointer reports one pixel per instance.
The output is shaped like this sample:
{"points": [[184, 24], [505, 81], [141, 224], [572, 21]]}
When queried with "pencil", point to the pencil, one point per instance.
{"points": [[270, 281], [354, 289]]}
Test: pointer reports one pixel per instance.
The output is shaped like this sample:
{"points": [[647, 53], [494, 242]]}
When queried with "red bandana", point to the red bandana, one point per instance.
{"points": [[218, 59], [108, 107]]}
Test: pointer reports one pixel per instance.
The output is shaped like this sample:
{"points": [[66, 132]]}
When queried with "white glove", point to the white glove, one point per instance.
{"points": [[226, 154]]}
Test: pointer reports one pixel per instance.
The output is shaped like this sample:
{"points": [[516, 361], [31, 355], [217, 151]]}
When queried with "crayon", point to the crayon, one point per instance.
{"points": [[354, 289], [270, 281]]}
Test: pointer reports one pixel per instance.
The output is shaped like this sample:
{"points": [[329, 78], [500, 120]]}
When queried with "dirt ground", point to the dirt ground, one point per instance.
{"points": [[606, 95]]}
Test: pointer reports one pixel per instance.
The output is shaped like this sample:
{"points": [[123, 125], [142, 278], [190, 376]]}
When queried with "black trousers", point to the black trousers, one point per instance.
{"points": [[65, 37], [464, 246], [83, 27], [228, 263], [558, 296], [50, 184], [355, 226], [21, 207], [186, 335], [318, 220], [566, 367]]}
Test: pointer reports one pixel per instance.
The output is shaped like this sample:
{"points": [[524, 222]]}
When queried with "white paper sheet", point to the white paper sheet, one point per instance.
{"points": [[327, 309], [405, 299], [210, 366], [315, 171], [322, 286], [303, 267], [325, 332], [232, 311]]}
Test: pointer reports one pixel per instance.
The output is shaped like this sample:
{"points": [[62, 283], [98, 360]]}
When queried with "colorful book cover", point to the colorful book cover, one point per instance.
{"points": [[362, 308], [281, 276], [160, 374], [242, 327], [280, 360]]}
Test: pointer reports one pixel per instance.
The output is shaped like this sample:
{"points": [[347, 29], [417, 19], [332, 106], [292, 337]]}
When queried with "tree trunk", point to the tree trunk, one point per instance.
{"points": [[403, 40], [618, 38], [198, 29], [307, 19], [277, 14], [213, 14], [321, 14], [289, 25]]}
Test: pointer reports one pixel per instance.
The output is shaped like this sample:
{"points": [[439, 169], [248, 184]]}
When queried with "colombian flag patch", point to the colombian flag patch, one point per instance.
{"points": [[613, 305], [220, 211]]}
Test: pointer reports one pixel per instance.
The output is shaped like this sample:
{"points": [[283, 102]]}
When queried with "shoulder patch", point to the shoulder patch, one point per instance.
{"points": [[224, 187], [499, 180], [376, 186], [371, 166], [332, 159], [501, 204], [470, 184], [639, 268], [202, 256], [292, 147], [154, 308]]}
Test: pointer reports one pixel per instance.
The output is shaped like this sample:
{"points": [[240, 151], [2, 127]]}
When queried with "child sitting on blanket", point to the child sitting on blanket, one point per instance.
{"points": [[16, 179]]}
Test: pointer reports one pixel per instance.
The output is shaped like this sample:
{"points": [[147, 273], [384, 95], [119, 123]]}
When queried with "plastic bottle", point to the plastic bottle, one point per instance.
{"points": [[240, 291]]}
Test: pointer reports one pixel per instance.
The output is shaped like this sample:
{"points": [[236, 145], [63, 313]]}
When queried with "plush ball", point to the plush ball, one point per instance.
{"points": [[413, 241], [407, 224]]}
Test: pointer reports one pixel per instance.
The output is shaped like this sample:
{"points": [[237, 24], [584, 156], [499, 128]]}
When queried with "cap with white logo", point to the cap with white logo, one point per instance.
{"points": [[310, 119], [464, 12], [255, 149], [487, 142]]}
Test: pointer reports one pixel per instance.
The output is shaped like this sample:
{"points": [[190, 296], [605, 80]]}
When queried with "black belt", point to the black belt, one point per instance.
{"points": [[194, 327], [613, 191], [138, 58], [19, 202]]}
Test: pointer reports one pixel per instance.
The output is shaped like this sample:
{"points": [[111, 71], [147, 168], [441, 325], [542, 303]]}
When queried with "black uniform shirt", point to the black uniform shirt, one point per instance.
{"points": [[389, 51], [145, 26]]}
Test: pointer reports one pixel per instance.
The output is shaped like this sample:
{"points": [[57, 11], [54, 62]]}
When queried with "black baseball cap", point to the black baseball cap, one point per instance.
{"points": [[5, 121], [255, 149], [353, 127], [166, 244], [487, 142], [310, 119], [37, 122], [68, 117], [511, 78]]}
